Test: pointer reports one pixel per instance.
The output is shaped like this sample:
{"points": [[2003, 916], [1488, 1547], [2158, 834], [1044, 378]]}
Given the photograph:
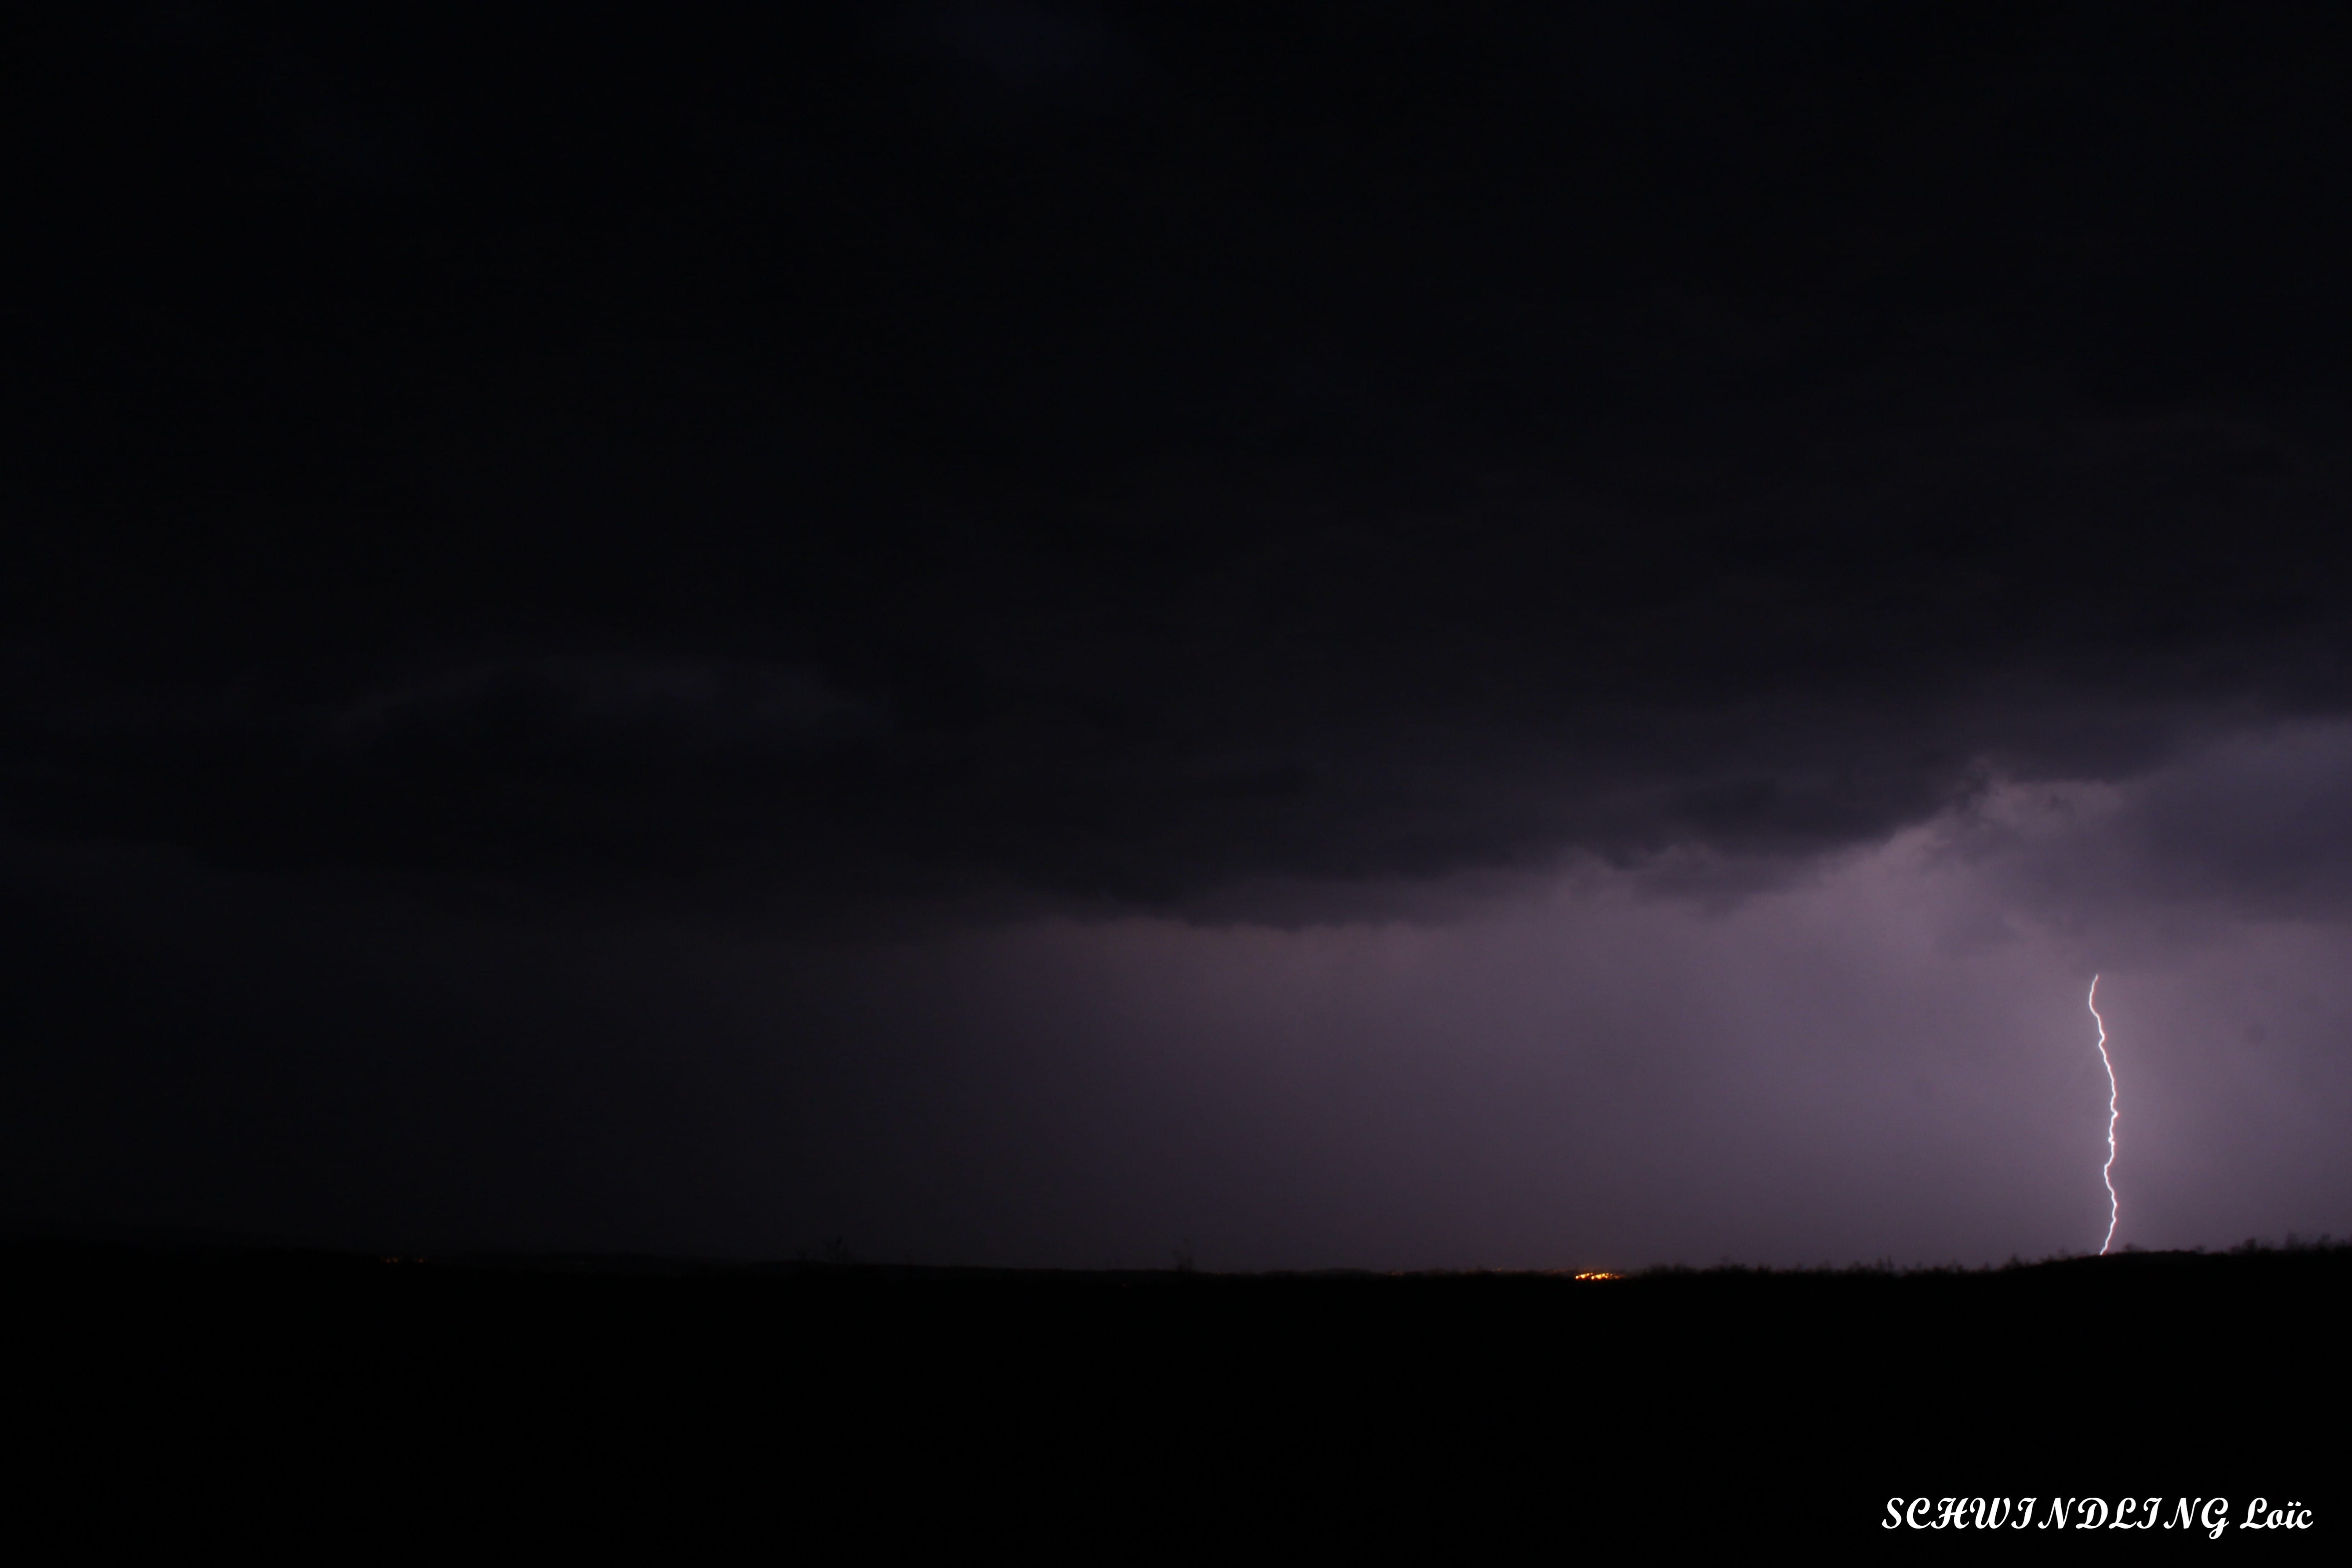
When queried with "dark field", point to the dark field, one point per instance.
{"points": [[234, 1396]]}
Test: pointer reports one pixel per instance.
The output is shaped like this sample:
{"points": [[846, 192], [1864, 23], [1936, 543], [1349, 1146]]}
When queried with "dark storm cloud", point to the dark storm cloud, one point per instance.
{"points": [[2250, 825], [1354, 695], [1295, 447]]}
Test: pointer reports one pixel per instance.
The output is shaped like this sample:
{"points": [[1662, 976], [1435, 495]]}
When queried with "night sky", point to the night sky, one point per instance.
{"points": [[1367, 634]]}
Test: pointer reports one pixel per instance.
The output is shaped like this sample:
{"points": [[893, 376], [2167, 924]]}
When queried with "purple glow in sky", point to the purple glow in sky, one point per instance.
{"points": [[1582, 1068]]}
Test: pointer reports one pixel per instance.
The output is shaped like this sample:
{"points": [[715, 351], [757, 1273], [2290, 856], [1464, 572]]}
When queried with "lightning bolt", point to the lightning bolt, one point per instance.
{"points": [[2107, 1174]]}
